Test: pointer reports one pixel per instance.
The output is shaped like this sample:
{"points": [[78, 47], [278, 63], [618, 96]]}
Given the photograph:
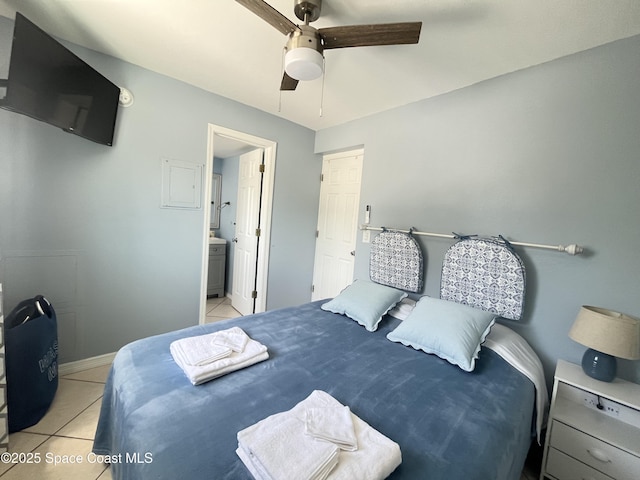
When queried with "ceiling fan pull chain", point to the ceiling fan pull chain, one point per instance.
{"points": [[284, 51], [324, 74]]}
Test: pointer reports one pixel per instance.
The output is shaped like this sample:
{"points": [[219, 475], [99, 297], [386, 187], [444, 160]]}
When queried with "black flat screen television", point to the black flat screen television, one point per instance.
{"points": [[50, 83]]}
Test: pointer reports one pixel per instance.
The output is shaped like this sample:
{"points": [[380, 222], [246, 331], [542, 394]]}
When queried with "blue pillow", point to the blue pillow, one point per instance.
{"points": [[450, 330], [365, 302]]}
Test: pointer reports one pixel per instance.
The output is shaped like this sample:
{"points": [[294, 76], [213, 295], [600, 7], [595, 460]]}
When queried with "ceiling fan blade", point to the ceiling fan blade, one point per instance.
{"points": [[371, 35], [288, 83], [270, 15]]}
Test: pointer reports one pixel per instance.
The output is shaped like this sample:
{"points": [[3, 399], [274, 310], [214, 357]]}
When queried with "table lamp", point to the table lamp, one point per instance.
{"points": [[608, 335]]}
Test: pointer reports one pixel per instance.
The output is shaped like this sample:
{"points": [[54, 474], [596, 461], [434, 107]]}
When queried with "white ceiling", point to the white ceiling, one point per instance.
{"points": [[222, 47]]}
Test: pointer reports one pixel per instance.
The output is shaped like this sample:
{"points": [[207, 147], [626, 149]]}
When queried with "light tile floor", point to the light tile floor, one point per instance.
{"points": [[220, 309], [64, 437]]}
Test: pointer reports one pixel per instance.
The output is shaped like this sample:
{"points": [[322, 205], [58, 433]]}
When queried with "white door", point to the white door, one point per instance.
{"points": [[245, 242], [337, 223]]}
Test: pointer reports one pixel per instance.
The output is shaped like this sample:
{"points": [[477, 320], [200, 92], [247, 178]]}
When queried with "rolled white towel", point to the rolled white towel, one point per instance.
{"points": [[277, 449], [332, 424]]}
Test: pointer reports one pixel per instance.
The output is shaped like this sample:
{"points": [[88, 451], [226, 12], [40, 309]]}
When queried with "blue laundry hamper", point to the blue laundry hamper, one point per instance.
{"points": [[31, 361]]}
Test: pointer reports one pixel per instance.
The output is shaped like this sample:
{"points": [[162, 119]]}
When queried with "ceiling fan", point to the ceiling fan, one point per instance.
{"points": [[304, 59]]}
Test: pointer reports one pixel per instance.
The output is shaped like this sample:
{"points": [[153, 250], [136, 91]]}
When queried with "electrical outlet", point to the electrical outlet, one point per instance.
{"points": [[601, 404], [366, 236], [590, 401], [611, 408]]}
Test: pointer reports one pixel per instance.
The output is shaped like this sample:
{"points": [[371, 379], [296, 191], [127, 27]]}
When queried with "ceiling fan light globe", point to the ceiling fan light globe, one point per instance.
{"points": [[303, 63]]}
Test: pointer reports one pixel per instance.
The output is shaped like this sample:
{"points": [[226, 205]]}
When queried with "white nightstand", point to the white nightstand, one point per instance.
{"points": [[585, 442]]}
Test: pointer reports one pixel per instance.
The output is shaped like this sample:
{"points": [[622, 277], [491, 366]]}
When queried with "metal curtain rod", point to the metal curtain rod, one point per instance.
{"points": [[572, 249]]}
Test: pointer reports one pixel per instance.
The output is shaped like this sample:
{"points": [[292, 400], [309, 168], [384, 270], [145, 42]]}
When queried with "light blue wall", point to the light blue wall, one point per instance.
{"points": [[547, 155], [84, 220]]}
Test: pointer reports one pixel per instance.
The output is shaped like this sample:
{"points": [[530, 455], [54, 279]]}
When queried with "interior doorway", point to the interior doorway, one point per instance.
{"points": [[247, 236], [225, 138]]}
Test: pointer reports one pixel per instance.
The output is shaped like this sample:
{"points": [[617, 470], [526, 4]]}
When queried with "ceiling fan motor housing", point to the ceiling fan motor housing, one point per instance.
{"points": [[307, 37], [304, 59]]}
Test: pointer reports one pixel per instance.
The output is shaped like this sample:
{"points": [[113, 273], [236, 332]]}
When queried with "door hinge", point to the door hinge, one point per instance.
{"points": [[258, 232], [317, 233], [261, 168], [313, 288], [254, 294], [322, 177]]}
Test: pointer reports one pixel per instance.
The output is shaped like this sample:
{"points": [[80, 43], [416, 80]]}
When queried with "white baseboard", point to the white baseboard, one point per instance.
{"points": [[86, 364]]}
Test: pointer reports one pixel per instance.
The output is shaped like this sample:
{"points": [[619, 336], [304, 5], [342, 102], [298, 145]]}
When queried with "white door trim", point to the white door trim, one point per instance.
{"points": [[265, 216]]}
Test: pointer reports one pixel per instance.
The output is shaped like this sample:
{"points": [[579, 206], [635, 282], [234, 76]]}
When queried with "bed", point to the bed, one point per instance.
{"points": [[450, 423]]}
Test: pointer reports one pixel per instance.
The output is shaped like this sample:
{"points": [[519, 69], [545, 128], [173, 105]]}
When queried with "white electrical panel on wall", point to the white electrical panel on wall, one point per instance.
{"points": [[181, 184]]}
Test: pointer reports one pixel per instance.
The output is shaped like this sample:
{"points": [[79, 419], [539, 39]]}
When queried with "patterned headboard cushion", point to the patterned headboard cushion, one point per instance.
{"points": [[485, 274], [396, 260]]}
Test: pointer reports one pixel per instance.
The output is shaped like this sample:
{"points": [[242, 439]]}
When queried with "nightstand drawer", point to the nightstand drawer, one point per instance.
{"points": [[595, 453], [563, 467]]}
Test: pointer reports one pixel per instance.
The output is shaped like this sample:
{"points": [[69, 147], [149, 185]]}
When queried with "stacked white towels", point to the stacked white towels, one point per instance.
{"points": [[205, 357], [278, 449], [303, 443]]}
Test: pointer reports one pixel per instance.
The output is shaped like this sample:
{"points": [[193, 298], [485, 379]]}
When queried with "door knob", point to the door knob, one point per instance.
{"points": [[234, 239], [353, 253]]}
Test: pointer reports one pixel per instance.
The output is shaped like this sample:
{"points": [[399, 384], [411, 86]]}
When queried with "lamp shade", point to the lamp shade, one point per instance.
{"points": [[303, 63], [608, 332]]}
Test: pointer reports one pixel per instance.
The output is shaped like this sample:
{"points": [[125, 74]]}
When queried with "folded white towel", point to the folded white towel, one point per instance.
{"points": [[200, 350], [377, 455], [253, 352], [234, 338], [278, 449], [332, 424], [248, 461], [375, 459]]}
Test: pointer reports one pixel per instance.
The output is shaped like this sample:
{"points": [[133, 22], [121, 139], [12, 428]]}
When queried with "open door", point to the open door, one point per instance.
{"points": [[246, 241]]}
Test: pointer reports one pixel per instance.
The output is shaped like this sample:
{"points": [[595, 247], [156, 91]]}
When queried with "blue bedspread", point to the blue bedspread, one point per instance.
{"points": [[449, 424]]}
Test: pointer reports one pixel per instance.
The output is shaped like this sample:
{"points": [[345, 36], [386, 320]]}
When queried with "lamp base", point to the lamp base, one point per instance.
{"points": [[598, 365]]}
